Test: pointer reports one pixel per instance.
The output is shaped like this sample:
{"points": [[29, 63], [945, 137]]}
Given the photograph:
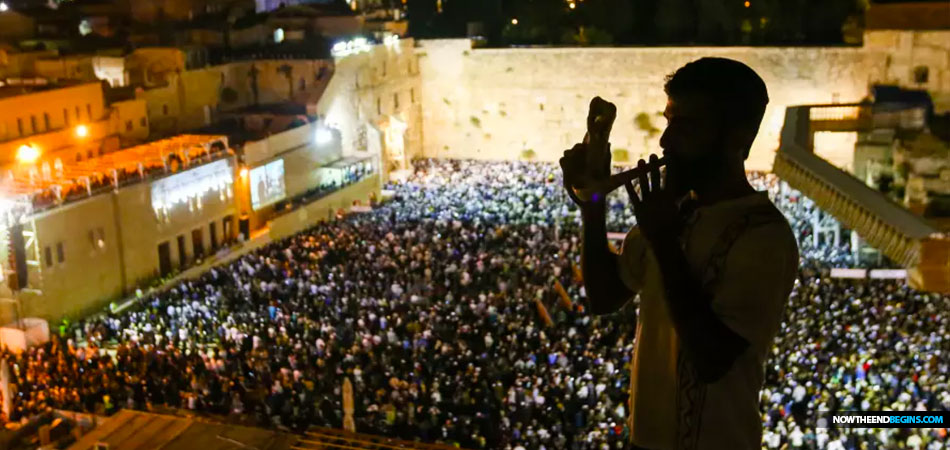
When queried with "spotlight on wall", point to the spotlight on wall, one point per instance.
{"points": [[244, 173], [27, 154], [323, 136], [82, 131]]}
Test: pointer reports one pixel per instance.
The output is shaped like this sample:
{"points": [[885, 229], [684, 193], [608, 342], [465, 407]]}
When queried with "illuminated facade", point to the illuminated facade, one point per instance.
{"points": [[102, 226], [66, 123]]}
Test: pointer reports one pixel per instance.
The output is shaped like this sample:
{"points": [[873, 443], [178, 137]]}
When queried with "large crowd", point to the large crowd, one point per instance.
{"points": [[428, 304]]}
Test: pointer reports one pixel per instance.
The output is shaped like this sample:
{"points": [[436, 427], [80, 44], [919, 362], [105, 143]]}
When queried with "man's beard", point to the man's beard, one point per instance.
{"points": [[683, 177]]}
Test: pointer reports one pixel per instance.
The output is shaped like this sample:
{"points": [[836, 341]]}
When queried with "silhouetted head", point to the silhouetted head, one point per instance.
{"points": [[714, 108]]}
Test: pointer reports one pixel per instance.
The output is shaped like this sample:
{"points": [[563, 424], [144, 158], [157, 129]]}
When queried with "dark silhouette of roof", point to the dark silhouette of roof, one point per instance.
{"points": [[908, 16]]}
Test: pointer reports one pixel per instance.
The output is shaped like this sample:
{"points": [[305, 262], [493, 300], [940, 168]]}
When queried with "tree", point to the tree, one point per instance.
{"points": [[587, 36], [229, 95], [615, 17], [676, 21], [253, 75]]}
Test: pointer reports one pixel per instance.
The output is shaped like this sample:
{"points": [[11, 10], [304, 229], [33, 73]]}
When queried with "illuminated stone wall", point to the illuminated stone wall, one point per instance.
{"points": [[494, 103]]}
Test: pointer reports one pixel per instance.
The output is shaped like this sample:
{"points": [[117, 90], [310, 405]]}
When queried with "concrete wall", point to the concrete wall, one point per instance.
{"points": [[494, 103], [91, 273], [324, 209], [55, 114], [130, 119], [34, 108], [87, 270]]}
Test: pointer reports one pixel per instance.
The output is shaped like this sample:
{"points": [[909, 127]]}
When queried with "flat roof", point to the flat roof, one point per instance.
{"points": [[62, 169], [34, 85]]}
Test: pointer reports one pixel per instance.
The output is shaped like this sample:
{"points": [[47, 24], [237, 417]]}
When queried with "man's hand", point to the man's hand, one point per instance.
{"points": [[655, 207], [588, 163]]}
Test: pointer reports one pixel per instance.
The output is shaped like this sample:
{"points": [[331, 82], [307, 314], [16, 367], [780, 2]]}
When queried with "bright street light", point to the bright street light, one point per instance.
{"points": [[514, 21], [82, 131], [323, 136], [27, 154]]}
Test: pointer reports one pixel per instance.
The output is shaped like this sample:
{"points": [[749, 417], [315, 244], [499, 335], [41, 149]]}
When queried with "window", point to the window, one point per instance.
{"points": [[89, 111], [48, 256], [60, 253], [412, 95], [128, 125], [19, 125], [142, 122], [46, 121], [396, 100], [97, 238], [33, 126], [66, 116], [921, 74], [77, 114], [379, 105], [165, 109]]}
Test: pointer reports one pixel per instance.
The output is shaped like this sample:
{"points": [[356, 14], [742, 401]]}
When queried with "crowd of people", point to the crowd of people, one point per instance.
{"points": [[428, 304]]}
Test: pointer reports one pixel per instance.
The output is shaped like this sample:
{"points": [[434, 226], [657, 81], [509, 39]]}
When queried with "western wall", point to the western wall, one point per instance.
{"points": [[498, 103]]}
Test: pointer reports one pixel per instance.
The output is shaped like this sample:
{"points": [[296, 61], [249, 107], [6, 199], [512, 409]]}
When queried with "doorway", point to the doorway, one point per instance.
{"points": [[197, 241], [182, 252], [164, 259], [213, 232]]}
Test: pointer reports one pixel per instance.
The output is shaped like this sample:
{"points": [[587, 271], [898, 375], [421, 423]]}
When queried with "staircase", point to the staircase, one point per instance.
{"points": [[903, 236]]}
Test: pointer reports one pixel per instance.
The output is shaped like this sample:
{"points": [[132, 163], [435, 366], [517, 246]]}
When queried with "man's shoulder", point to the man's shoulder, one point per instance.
{"points": [[765, 235]]}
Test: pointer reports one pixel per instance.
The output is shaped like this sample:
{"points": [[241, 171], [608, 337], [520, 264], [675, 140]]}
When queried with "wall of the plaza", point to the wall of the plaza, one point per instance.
{"points": [[325, 209], [302, 158], [143, 231], [494, 103]]}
